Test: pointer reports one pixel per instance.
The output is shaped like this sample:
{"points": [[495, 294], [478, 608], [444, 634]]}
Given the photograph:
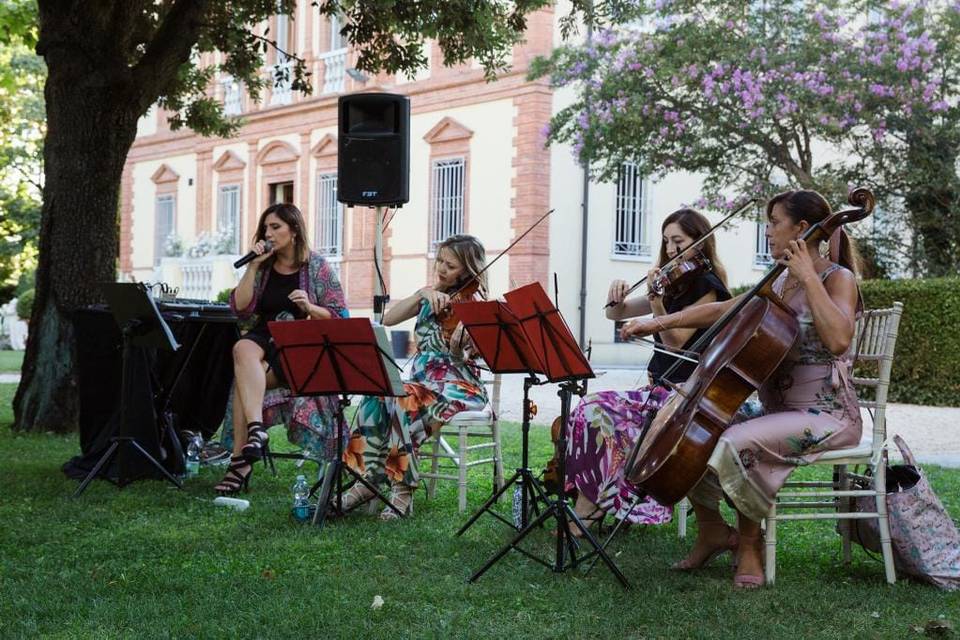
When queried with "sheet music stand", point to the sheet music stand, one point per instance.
{"points": [[337, 357], [141, 325], [561, 360], [499, 338]]}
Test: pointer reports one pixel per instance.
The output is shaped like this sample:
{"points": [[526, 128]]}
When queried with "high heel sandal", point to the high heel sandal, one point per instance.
{"points": [[732, 543], [234, 481], [257, 439], [749, 580], [401, 496]]}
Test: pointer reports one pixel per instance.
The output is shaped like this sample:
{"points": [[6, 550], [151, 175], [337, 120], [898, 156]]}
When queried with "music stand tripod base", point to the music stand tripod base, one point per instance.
{"points": [[553, 351], [533, 493]]}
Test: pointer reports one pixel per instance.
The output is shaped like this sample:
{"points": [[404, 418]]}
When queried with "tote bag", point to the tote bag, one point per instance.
{"points": [[925, 540]]}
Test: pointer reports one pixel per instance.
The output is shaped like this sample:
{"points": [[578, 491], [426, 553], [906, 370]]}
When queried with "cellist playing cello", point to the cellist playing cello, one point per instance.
{"points": [[809, 402]]}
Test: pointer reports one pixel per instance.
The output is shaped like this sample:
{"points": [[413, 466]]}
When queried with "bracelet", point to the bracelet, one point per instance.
{"points": [[659, 324]]}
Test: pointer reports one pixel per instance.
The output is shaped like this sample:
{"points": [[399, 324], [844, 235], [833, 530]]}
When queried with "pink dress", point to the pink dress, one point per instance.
{"points": [[810, 406]]}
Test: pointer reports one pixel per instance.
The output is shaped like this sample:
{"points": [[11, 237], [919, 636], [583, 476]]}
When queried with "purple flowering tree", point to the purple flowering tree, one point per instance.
{"points": [[769, 95]]}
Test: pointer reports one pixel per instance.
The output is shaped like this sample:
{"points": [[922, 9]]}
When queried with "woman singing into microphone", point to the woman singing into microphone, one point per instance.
{"points": [[285, 282], [604, 426]]}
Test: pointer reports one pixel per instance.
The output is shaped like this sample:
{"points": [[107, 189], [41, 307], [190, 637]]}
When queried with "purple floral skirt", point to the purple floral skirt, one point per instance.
{"points": [[602, 431]]}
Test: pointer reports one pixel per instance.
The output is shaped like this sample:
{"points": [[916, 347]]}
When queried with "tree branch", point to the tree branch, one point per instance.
{"points": [[169, 48]]}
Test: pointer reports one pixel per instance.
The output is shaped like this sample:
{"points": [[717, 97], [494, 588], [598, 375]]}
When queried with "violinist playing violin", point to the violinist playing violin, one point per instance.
{"points": [[604, 426], [809, 403], [444, 379]]}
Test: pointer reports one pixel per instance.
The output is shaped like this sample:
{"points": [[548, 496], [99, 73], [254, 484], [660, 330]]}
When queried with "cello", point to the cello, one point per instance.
{"points": [[738, 354]]}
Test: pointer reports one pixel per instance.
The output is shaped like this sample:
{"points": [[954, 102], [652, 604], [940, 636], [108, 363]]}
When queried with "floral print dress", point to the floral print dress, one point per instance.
{"points": [[603, 429], [389, 431], [810, 406]]}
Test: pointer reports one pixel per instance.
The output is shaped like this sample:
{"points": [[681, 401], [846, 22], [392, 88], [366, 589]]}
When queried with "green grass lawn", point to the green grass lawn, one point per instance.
{"points": [[153, 562], [11, 361]]}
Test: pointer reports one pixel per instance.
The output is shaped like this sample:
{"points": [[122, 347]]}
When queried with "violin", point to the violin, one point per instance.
{"points": [[552, 481], [464, 293], [739, 353], [677, 274]]}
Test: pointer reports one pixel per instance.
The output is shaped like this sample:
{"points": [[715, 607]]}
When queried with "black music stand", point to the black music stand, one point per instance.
{"points": [[141, 325], [560, 360], [337, 357], [500, 340]]}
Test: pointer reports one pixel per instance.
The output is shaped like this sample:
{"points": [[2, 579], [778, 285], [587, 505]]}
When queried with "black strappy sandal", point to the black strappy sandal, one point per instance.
{"points": [[257, 446], [234, 481]]}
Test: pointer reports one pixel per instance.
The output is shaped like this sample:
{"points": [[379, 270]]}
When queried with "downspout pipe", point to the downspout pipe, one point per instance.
{"points": [[585, 214]]}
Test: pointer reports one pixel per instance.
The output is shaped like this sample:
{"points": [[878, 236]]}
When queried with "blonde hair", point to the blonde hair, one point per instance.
{"points": [[471, 254]]}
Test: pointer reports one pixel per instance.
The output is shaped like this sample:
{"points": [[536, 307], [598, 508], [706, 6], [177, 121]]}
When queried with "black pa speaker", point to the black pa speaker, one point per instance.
{"points": [[373, 159]]}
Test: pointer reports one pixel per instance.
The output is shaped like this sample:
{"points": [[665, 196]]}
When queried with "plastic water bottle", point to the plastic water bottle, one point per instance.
{"points": [[301, 503], [518, 504], [193, 456]]}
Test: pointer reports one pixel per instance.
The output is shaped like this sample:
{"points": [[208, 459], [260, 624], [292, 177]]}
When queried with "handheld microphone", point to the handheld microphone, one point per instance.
{"points": [[267, 246]]}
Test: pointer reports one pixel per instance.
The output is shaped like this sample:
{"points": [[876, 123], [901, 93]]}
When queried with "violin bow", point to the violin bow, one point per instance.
{"points": [[694, 245], [501, 254], [666, 349], [475, 276]]}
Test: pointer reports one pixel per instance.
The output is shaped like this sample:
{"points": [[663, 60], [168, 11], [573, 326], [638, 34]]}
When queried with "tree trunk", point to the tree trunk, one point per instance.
{"points": [[91, 124]]}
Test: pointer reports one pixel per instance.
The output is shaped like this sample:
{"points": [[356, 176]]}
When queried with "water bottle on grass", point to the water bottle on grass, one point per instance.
{"points": [[301, 502], [193, 456]]}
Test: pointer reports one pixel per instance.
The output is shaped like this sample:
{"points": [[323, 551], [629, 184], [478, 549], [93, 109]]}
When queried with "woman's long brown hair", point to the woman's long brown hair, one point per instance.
{"points": [[291, 215], [694, 224]]}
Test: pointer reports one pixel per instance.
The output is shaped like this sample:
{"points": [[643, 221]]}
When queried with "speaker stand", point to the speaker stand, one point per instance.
{"points": [[380, 299]]}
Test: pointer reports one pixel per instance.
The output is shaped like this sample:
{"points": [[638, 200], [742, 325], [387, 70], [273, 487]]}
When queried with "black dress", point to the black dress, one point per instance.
{"points": [[674, 301], [275, 304]]}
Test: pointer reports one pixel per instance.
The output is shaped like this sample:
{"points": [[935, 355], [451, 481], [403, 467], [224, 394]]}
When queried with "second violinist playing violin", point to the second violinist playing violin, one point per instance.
{"points": [[604, 426]]}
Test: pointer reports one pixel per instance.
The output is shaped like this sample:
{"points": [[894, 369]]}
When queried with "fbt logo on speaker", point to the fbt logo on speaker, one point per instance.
{"points": [[369, 194]]}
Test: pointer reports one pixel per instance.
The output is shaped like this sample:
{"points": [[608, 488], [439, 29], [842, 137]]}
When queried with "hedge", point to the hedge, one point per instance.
{"points": [[926, 365]]}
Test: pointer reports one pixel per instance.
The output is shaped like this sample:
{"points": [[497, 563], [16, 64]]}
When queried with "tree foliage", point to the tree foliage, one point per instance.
{"points": [[22, 128], [755, 95]]}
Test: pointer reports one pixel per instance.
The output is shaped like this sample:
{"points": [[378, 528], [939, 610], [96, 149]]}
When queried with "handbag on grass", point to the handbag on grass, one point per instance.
{"points": [[926, 544]]}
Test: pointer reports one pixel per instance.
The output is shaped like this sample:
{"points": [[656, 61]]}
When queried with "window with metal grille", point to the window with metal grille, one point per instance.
{"points": [[337, 41], [232, 96], [166, 206], [630, 237], [761, 250], [283, 37], [446, 202], [328, 238], [228, 216]]}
